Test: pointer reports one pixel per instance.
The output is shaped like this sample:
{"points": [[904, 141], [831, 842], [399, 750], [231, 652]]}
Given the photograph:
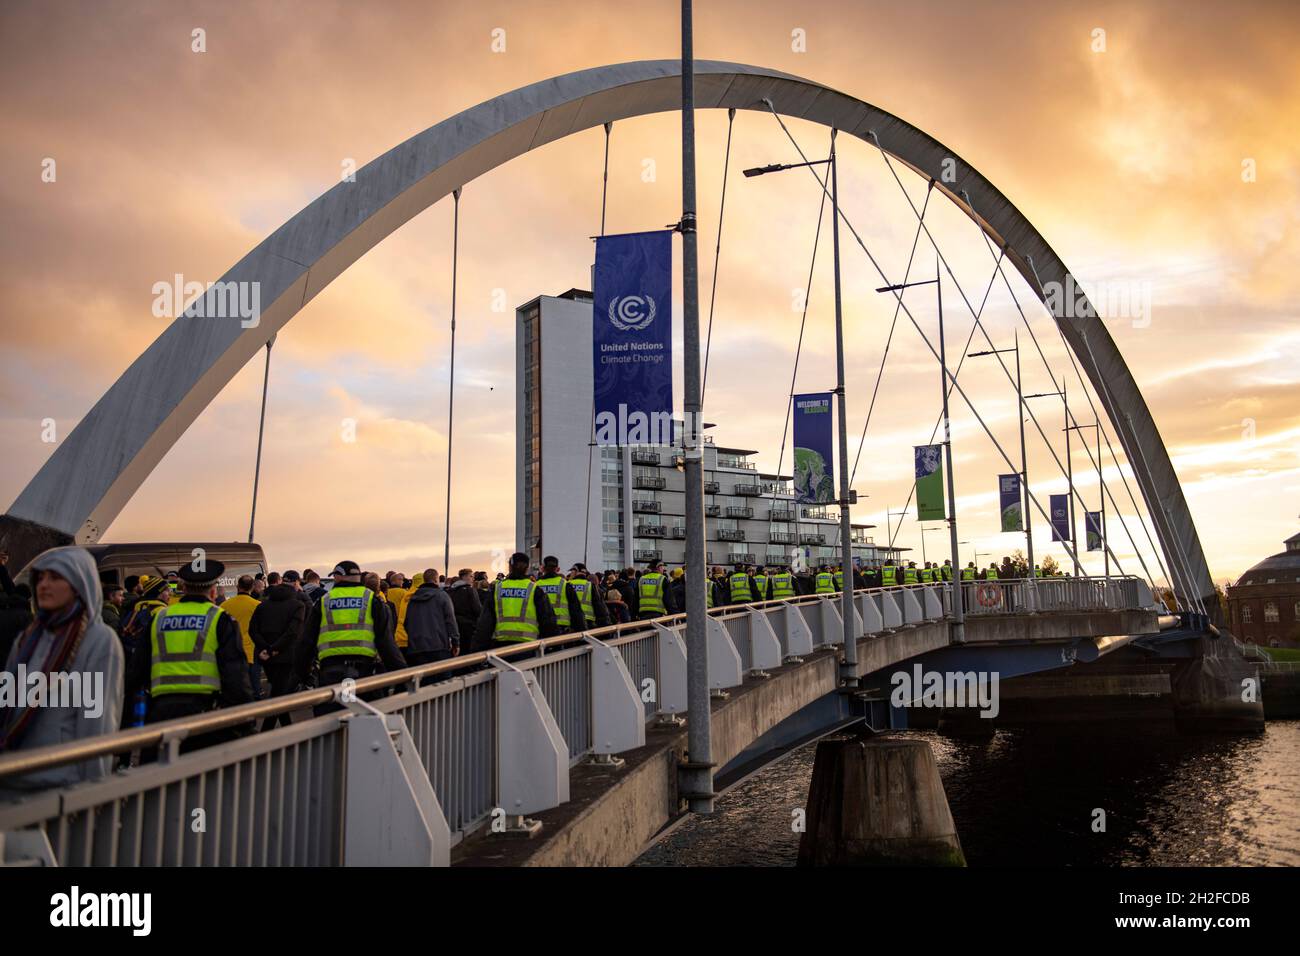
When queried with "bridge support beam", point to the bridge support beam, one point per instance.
{"points": [[393, 816], [534, 759], [617, 716]]}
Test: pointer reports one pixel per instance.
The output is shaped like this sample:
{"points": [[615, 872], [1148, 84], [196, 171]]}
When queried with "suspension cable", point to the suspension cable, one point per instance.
{"points": [[717, 254], [1015, 299], [261, 427], [591, 441], [880, 373], [794, 374], [451, 386], [1075, 495], [1175, 584], [898, 294]]}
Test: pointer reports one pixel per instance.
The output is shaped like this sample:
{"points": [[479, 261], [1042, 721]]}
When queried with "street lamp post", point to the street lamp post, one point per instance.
{"points": [[849, 669], [958, 609], [1024, 461]]}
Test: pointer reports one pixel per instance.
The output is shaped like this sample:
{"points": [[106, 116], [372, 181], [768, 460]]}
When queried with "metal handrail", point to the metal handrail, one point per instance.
{"points": [[124, 741]]}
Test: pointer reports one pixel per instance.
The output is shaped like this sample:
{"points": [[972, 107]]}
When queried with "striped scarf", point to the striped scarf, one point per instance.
{"points": [[65, 630]]}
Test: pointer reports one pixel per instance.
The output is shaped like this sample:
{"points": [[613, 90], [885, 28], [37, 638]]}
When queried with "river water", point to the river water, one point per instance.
{"points": [[1028, 798]]}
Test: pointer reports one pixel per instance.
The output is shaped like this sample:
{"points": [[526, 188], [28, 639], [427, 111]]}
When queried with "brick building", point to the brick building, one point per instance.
{"points": [[1264, 604]]}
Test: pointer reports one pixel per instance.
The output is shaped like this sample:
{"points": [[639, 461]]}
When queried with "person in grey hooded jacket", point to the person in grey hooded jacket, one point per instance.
{"points": [[76, 658]]}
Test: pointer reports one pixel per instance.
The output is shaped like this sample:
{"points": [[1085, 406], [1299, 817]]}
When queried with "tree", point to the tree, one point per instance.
{"points": [[1049, 565]]}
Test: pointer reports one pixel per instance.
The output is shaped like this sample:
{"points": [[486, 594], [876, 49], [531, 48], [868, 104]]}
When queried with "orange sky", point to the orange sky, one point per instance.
{"points": [[168, 161]]}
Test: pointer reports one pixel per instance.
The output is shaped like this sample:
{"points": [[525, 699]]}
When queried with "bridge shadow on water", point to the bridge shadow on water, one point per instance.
{"points": [[1029, 798]]}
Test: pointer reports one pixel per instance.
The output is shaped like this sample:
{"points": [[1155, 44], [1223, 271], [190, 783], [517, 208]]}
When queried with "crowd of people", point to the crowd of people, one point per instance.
{"points": [[175, 645]]}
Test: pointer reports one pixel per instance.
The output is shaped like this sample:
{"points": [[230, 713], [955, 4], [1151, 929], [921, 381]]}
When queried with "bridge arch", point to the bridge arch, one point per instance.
{"points": [[90, 477]]}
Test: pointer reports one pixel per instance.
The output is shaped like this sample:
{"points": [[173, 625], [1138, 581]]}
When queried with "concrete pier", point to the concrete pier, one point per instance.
{"points": [[878, 801]]}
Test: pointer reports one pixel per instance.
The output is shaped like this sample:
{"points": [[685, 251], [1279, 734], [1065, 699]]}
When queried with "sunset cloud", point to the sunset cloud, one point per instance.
{"points": [[1130, 161]]}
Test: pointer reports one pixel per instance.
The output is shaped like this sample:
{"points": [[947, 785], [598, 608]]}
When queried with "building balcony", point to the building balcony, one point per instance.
{"points": [[679, 531], [780, 515], [649, 481], [646, 507], [739, 511], [816, 513], [812, 539], [777, 558], [646, 554], [741, 557], [749, 491], [651, 531], [730, 534], [645, 457], [710, 487], [783, 537], [713, 511]]}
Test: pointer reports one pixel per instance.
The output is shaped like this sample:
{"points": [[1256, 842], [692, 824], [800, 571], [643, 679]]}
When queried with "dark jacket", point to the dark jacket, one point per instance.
{"points": [[627, 588], [487, 621], [430, 621], [305, 655], [465, 602], [277, 623]]}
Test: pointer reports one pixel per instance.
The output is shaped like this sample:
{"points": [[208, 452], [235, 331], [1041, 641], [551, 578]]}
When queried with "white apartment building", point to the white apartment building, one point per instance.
{"points": [[620, 507]]}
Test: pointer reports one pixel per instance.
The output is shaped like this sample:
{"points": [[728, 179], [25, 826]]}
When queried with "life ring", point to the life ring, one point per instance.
{"points": [[988, 595]]}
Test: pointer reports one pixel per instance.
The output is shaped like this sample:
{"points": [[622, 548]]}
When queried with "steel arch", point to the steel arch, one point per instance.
{"points": [[95, 471]]}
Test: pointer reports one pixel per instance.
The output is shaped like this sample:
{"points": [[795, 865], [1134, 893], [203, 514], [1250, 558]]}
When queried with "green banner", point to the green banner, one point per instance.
{"points": [[929, 483]]}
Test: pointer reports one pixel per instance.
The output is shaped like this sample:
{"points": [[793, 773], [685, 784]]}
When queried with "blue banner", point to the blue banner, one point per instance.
{"points": [[632, 339], [1060, 507], [1009, 503], [814, 467], [1092, 525]]}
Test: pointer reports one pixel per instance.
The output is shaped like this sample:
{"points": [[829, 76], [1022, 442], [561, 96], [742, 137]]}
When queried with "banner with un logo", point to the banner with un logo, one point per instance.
{"points": [[632, 339]]}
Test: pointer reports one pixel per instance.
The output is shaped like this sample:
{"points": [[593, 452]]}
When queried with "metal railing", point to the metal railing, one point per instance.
{"points": [[278, 797]]}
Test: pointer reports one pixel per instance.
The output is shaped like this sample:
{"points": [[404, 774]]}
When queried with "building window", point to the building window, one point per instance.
{"points": [[1270, 612], [1245, 614]]}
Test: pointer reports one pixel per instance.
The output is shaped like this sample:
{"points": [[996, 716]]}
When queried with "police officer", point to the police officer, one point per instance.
{"points": [[518, 610], [761, 588], [926, 574], [969, 572], [782, 585], [653, 596], [594, 612], [347, 632], [946, 571], [824, 583], [740, 586], [992, 573], [569, 612], [889, 574], [193, 660], [910, 575]]}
